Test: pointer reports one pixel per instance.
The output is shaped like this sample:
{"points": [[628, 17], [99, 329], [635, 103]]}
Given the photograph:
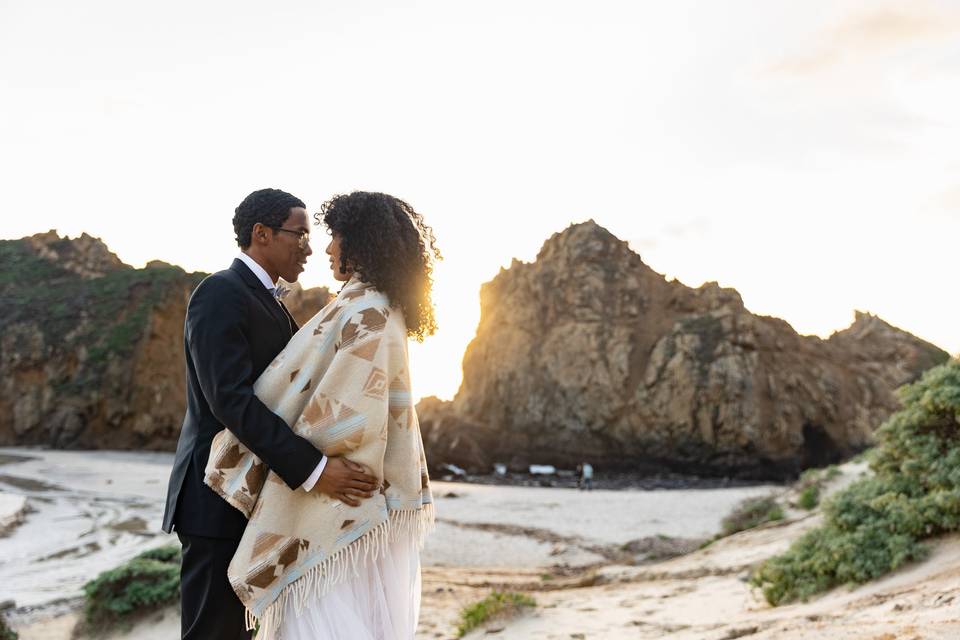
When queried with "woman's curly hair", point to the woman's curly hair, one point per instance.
{"points": [[389, 246]]}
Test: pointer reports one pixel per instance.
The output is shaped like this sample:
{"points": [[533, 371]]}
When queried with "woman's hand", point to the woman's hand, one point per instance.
{"points": [[346, 481]]}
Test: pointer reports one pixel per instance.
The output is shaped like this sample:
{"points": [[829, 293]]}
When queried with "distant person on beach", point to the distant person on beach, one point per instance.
{"points": [[235, 326], [344, 564], [585, 481]]}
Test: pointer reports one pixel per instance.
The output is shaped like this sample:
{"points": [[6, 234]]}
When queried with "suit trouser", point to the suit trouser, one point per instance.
{"points": [[209, 609]]}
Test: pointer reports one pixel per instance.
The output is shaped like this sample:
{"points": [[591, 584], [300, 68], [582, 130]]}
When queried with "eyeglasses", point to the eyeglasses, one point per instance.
{"points": [[303, 236]]}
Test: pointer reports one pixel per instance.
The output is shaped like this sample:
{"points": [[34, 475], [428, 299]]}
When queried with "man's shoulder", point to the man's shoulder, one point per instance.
{"points": [[224, 277], [220, 286]]}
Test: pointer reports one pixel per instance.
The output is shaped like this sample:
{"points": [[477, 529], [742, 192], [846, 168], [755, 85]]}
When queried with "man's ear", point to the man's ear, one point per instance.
{"points": [[258, 235]]}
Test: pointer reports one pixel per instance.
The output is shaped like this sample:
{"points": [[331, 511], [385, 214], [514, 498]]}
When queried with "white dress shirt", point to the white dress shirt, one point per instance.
{"points": [[262, 276]]}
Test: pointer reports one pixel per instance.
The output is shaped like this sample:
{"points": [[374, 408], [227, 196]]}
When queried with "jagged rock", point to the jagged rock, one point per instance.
{"points": [[451, 439], [93, 358], [86, 256], [588, 354]]}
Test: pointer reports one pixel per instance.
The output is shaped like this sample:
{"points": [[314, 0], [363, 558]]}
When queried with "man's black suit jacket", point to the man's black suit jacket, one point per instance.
{"points": [[233, 330]]}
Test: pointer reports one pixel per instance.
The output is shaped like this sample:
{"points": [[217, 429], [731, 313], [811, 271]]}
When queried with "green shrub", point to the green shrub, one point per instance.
{"points": [[809, 497], [170, 553], [6, 633], [751, 513], [146, 583], [877, 524], [497, 605], [811, 485]]}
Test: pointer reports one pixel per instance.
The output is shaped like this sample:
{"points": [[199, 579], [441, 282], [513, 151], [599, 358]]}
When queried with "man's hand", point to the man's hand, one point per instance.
{"points": [[346, 481]]}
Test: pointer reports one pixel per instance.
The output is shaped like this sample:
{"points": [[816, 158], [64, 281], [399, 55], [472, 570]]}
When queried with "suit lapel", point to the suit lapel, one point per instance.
{"points": [[274, 309], [293, 323], [269, 303]]}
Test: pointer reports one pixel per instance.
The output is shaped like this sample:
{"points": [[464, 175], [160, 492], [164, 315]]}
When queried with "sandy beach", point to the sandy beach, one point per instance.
{"points": [[13, 510], [562, 546]]}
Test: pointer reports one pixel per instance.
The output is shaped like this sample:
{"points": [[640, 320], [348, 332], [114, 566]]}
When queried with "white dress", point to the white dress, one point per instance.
{"points": [[382, 603]]}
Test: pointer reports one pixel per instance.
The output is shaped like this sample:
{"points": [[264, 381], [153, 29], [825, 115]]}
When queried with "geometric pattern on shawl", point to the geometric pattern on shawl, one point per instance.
{"points": [[343, 383]]}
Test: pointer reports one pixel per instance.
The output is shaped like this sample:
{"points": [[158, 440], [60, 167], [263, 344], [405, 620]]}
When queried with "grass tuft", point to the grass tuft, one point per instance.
{"points": [[751, 513], [497, 606], [809, 497]]}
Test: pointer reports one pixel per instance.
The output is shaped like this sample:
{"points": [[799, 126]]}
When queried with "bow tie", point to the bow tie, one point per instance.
{"points": [[280, 292]]}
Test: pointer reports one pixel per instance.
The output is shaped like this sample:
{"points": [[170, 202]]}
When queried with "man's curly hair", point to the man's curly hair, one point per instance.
{"points": [[269, 207], [390, 247]]}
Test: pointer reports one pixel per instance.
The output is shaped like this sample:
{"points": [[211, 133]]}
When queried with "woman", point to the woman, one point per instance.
{"points": [[311, 566]]}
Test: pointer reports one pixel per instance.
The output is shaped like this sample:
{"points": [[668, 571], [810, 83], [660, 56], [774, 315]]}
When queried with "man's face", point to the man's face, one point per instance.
{"points": [[284, 249]]}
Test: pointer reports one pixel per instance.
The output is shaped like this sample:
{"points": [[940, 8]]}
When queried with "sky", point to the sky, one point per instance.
{"points": [[804, 153]]}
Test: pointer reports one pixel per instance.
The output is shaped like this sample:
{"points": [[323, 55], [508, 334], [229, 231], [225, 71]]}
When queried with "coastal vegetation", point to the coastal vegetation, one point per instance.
{"points": [[497, 606], [105, 316], [751, 513], [6, 633], [811, 484], [879, 523], [809, 498], [146, 583], [91, 346]]}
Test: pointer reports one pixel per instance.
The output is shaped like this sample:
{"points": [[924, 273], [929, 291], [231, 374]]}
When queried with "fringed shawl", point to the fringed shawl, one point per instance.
{"points": [[343, 383]]}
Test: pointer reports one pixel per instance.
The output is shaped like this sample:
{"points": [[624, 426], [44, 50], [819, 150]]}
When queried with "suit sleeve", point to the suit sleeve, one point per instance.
{"points": [[221, 356]]}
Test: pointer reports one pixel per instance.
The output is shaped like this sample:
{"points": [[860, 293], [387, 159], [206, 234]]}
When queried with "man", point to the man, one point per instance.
{"points": [[235, 326]]}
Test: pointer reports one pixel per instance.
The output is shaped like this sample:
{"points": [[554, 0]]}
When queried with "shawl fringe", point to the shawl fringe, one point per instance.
{"points": [[344, 563]]}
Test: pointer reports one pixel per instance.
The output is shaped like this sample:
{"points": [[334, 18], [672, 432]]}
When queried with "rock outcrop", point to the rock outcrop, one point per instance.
{"points": [[91, 349], [589, 354], [86, 256]]}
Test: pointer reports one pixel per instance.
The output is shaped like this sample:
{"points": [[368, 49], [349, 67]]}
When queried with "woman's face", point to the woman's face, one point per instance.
{"points": [[333, 250]]}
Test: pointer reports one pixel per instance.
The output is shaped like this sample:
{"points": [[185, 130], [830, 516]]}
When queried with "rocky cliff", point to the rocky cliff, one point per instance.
{"points": [[91, 349], [589, 354]]}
